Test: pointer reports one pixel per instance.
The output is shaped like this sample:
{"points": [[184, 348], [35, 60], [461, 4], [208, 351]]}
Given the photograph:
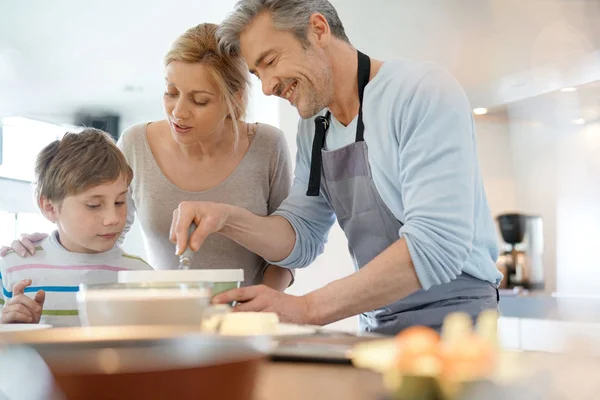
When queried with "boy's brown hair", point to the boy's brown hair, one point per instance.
{"points": [[78, 162]]}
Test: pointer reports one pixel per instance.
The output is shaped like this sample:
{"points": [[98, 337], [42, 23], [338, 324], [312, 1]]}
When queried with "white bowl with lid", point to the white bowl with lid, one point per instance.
{"points": [[146, 304]]}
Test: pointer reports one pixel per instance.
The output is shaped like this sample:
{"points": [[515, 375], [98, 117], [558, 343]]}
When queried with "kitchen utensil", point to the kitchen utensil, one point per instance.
{"points": [[185, 259]]}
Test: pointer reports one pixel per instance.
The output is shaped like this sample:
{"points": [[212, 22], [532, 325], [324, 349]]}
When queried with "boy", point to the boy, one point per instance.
{"points": [[82, 183]]}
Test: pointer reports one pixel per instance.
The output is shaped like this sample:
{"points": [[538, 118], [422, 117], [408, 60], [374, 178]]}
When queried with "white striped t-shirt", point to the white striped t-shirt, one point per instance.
{"points": [[59, 272]]}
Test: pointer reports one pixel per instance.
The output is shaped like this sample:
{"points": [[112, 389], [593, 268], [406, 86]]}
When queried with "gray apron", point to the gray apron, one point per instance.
{"points": [[344, 178]]}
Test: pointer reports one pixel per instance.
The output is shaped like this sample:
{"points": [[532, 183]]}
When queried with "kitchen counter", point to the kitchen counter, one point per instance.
{"points": [[551, 308], [535, 376], [572, 377], [303, 381], [550, 324]]}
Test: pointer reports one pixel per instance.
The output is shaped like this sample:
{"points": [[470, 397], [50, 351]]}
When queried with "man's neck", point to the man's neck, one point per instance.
{"points": [[344, 105]]}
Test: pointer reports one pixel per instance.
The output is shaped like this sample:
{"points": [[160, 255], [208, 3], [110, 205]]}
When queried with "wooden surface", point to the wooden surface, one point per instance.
{"points": [[275, 381], [528, 376], [302, 381]]}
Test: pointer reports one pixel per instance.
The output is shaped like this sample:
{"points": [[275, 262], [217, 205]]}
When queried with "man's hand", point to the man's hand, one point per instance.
{"points": [[21, 308], [290, 309], [209, 217], [25, 246]]}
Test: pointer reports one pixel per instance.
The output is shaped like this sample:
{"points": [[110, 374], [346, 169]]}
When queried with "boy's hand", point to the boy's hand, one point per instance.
{"points": [[21, 308]]}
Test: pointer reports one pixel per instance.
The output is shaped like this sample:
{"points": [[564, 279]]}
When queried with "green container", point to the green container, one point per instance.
{"points": [[220, 287]]}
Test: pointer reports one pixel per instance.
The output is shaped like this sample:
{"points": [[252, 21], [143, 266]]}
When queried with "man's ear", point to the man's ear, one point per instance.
{"points": [[49, 208], [319, 28]]}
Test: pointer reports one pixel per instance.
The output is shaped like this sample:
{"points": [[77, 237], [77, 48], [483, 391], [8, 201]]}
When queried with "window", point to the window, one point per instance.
{"points": [[7, 228], [14, 225], [22, 140], [28, 223]]}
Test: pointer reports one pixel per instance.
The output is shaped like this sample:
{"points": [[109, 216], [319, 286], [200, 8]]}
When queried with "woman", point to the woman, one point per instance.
{"points": [[204, 151]]}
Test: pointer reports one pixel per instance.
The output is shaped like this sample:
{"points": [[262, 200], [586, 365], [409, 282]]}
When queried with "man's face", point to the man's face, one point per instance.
{"points": [[286, 68]]}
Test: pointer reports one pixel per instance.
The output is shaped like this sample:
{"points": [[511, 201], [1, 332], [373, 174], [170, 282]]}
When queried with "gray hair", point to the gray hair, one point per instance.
{"points": [[288, 15]]}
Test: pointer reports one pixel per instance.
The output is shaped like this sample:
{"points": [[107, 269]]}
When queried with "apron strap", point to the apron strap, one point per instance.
{"points": [[322, 124], [314, 180], [364, 71]]}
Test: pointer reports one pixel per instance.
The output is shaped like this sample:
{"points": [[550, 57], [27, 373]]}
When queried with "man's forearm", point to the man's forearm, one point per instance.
{"points": [[272, 237], [387, 278]]}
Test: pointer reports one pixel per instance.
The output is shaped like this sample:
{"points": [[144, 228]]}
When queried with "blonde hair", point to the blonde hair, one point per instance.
{"points": [[229, 72], [78, 162]]}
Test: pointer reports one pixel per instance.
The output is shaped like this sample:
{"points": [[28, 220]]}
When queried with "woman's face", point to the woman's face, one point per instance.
{"points": [[194, 106]]}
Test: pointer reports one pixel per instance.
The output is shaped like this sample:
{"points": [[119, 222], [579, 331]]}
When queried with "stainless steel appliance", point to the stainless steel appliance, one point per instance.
{"points": [[521, 257]]}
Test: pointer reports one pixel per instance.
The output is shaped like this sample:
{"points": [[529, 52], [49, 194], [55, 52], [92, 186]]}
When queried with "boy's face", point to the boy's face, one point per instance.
{"points": [[91, 221]]}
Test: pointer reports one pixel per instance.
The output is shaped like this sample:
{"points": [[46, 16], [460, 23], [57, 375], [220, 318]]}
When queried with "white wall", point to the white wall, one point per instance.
{"points": [[578, 211], [533, 145], [495, 160], [518, 160], [540, 163], [558, 177]]}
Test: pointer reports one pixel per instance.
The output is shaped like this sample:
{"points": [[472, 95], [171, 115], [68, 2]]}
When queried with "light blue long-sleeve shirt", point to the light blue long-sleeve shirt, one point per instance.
{"points": [[420, 136]]}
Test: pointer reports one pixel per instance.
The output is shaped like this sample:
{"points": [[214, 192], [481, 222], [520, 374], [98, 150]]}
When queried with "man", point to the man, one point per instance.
{"points": [[386, 148]]}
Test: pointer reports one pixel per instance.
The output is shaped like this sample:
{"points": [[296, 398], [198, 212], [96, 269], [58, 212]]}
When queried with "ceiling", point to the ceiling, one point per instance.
{"points": [[60, 56], [578, 105], [56, 56]]}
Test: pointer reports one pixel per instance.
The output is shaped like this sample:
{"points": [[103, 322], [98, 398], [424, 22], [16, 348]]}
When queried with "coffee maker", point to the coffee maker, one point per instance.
{"points": [[520, 259]]}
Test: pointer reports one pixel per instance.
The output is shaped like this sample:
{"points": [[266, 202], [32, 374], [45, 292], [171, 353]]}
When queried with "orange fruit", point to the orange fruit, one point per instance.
{"points": [[469, 358], [418, 351]]}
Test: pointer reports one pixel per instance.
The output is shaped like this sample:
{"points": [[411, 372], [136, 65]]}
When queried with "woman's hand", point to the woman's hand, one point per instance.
{"points": [[25, 245]]}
